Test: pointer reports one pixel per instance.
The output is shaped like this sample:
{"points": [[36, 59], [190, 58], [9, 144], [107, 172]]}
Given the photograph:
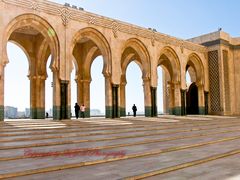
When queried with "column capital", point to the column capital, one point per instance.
{"points": [[86, 81], [146, 79], [174, 84], [199, 84], [37, 77], [123, 84], [152, 87], [83, 80], [115, 85], [107, 75]]}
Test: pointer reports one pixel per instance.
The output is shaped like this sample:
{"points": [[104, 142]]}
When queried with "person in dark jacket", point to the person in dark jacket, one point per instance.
{"points": [[134, 108], [77, 108]]}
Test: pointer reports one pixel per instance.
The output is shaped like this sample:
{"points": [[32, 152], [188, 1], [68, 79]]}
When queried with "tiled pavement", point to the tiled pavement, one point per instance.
{"points": [[167, 147]]}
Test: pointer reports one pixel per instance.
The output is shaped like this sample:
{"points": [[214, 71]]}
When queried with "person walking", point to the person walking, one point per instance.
{"points": [[82, 109], [77, 108], [134, 108]]}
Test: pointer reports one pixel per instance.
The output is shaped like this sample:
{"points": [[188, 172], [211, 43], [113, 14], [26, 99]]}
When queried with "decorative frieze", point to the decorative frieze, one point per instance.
{"points": [[115, 28], [65, 15], [34, 5], [68, 14]]}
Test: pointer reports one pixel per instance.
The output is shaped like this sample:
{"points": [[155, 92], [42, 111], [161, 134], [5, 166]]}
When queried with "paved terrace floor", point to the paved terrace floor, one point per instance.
{"points": [[167, 147]]}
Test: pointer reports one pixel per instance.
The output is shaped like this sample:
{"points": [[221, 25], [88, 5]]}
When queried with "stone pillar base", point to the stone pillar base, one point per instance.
{"points": [[201, 110], [56, 112], [148, 111], [86, 114], [1, 113], [37, 113], [122, 111], [175, 111], [108, 111]]}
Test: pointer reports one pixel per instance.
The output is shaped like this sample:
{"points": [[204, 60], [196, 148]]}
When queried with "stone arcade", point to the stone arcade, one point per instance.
{"points": [[42, 28]]}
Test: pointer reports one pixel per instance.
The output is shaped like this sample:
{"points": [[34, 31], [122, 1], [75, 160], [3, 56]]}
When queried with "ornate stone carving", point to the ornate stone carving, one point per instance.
{"points": [[182, 46], [66, 15], [92, 20], [153, 39], [115, 28], [34, 5]]}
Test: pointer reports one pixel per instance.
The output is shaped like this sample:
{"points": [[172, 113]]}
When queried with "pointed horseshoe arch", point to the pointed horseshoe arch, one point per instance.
{"points": [[102, 44], [134, 48], [39, 24], [195, 62], [168, 58]]}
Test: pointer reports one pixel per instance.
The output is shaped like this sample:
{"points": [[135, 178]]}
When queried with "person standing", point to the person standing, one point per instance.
{"points": [[134, 108], [77, 108], [82, 109]]}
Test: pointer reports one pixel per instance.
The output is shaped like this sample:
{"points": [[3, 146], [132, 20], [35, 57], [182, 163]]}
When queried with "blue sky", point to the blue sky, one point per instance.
{"points": [[182, 19], [179, 18]]}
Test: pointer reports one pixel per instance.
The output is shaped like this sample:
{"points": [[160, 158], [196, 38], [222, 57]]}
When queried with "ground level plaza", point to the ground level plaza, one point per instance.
{"points": [[167, 147]]}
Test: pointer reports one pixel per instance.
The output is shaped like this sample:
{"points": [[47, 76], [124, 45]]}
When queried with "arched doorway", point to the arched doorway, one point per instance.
{"points": [[135, 51], [38, 40], [194, 86], [134, 89], [89, 45], [192, 99], [169, 63]]}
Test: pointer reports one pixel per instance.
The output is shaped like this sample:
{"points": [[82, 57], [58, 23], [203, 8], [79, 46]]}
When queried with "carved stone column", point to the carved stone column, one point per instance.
{"points": [[86, 96], [123, 99], [115, 101], [183, 102], [170, 86], [206, 94], [147, 97], [1, 93], [177, 98], [201, 102], [108, 96], [154, 101], [64, 109], [37, 97], [56, 97], [175, 101], [79, 91], [83, 95]]}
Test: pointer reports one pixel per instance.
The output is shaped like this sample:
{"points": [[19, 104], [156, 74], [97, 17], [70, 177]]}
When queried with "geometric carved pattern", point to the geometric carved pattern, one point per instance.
{"points": [[34, 5], [214, 88], [68, 14], [115, 28], [226, 81], [65, 14]]}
